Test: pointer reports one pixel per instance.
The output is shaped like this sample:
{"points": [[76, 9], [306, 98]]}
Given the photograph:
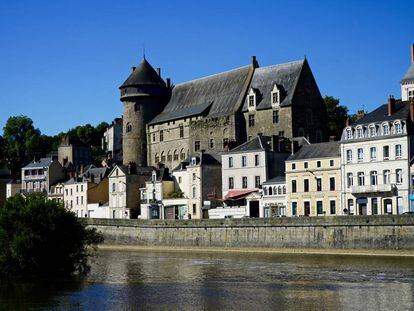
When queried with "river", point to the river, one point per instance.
{"points": [[123, 280]]}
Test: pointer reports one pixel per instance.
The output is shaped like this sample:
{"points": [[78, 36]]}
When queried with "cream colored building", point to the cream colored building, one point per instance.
{"points": [[313, 179]]}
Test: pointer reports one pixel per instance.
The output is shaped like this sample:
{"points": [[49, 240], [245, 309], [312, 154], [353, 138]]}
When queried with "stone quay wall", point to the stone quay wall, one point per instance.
{"points": [[387, 232]]}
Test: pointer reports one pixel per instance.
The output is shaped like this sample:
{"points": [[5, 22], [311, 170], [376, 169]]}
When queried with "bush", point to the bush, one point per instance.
{"points": [[39, 237]]}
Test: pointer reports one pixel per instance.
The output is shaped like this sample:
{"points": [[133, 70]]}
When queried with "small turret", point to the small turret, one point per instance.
{"points": [[144, 95]]}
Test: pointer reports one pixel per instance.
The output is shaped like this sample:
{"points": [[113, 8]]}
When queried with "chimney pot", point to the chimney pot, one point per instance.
{"points": [[159, 71], [412, 53], [254, 61], [391, 105]]}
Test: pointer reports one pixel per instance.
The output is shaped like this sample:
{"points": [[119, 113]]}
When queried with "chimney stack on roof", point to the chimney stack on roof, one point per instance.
{"points": [[412, 53], [168, 83], [412, 109], [360, 114], [159, 71], [274, 143], [391, 105], [132, 69], [254, 62]]}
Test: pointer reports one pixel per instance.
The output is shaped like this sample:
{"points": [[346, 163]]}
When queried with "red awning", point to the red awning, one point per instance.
{"points": [[237, 194]]}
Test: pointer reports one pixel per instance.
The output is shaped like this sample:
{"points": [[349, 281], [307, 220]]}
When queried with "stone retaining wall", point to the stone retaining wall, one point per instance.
{"points": [[354, 232]]}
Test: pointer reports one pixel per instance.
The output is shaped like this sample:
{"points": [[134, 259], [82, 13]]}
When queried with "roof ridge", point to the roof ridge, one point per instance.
{"points": [[212, 75], [282, 64]]}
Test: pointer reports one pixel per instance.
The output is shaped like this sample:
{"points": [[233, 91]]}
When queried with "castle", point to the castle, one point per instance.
{"points": [[165, 124]]}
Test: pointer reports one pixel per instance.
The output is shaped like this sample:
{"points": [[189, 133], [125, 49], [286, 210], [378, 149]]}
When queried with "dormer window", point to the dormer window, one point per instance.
{"points": [[398, 128], [372, 131], [360, 132], [193, 161], [348, 134], [251, 99], [275, 96], [385, 129], [154, 176]]}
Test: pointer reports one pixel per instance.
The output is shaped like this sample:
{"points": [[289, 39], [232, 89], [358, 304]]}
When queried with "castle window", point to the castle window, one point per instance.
{"points": [[182, 154], [129, 127], [181, 131], [251, 120], [211, 143], [275, 116], [169, 156], [175, 155], [163, 157], [197, 145], [251, 100], [281, 133], [225, 142], [161, 135], [153, 137], [137, 107], [275, 96], [157, 158]]}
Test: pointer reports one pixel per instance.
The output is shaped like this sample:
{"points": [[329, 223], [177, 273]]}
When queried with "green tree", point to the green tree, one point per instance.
{"points": [[22, 141], [39, 237], [337, 115]]}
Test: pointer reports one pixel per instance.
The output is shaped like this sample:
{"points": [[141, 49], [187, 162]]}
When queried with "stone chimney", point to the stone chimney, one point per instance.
{"points": [[360, 114], [391, 105], [412, 109], [168, 83], [159, 71], [254, 62], [132, 69], [294, 147]]}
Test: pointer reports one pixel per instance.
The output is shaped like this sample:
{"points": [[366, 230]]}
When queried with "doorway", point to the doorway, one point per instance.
{"points": [[254, 209], [307, 208], [388, 206]]}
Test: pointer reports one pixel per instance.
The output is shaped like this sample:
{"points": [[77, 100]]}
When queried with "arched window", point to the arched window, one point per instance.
{"points": [[163, 157], [348, 133], [385, 129], [175, 155], [275, 190], [265, 190], [129, 127], [372, 131], [397, 127], [284, 189], [279, 190], [360, 132], [270, 191], [157, 158], [169, 156]]}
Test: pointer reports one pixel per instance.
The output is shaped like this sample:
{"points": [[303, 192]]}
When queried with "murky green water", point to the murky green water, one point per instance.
{"points": [[211, 281]]}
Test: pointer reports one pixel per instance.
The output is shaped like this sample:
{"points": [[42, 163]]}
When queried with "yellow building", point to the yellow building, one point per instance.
{"points": [[313, 179]]}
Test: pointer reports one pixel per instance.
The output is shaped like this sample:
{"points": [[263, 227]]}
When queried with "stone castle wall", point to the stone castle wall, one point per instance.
{"points": [[390, 232]]}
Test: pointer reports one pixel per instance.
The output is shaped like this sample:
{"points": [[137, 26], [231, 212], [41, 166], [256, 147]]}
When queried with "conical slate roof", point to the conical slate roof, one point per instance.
{"points": [[144, 74], [410, 74]]}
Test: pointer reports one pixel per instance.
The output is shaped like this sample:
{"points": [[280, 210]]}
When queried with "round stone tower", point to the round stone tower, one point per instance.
{"points": [[144, 95]]}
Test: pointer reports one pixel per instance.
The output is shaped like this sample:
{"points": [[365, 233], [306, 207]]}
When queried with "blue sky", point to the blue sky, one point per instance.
{"points": [[61, 62]]}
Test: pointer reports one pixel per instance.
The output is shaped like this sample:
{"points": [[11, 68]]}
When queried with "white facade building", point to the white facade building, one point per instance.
{"points": [[375, 161], [274, 198], [246, 167], [112, 140]]}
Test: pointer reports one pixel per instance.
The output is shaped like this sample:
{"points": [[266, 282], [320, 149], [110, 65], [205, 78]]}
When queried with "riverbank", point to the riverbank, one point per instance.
{"points": [[386, 234], [286, 251]]}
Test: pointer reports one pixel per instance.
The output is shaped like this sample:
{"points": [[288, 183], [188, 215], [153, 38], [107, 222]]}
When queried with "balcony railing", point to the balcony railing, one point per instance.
{"points": [[373, 188]]}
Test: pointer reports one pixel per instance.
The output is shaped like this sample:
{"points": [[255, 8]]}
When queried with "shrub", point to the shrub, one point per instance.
{"points": [[39, 237]]}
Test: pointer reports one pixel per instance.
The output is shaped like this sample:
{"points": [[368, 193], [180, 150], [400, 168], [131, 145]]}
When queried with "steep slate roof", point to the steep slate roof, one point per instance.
{"points": [[402, 112], [284, 75], [410, 74], [99, 174], [223, 91], [260, 142], [140, 170], [143, 74], [275, 180], [42, 163], [314, 151], [201, 159]]}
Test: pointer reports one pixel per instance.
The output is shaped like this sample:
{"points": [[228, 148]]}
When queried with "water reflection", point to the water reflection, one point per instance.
{"points": [[211, 281]]}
